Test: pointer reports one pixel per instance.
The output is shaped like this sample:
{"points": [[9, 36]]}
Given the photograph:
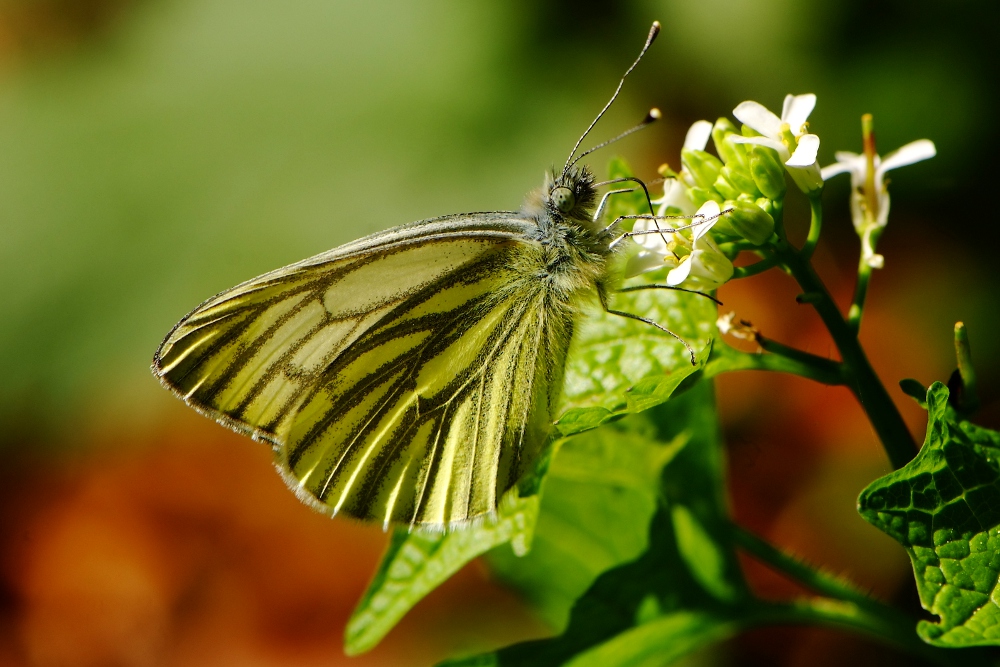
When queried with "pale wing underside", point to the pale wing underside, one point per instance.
{"points": [[406, 377]]}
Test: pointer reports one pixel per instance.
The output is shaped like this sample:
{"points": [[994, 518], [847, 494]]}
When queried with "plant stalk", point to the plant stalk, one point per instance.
{"points": [[861, 377]]}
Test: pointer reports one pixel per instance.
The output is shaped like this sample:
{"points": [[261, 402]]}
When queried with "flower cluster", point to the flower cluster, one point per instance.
{"points": [[730, 202]]}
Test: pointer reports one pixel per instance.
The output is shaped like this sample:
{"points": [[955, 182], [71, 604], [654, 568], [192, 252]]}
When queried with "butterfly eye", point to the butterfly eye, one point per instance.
{"points": [[563, 199]]}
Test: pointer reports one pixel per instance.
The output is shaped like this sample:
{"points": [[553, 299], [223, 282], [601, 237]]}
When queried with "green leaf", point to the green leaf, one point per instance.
{"points": [[914, 390], [659, 642], [647, 393], [661, 584], [418, 562], [944, 508], [600, 495]]}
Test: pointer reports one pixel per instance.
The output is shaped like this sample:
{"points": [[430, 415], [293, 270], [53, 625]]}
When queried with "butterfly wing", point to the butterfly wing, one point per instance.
{"points": [[408, 377]]}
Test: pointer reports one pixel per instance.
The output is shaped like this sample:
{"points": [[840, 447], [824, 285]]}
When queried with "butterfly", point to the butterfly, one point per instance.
{"points": [[411, 376]]}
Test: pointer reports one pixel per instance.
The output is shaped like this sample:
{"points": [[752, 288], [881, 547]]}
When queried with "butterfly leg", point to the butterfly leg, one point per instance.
{"points": [[632, 316], [635, 288]]}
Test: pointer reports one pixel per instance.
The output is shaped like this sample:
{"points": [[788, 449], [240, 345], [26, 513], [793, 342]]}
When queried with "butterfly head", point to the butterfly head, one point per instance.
{"points": [[571, 194]]}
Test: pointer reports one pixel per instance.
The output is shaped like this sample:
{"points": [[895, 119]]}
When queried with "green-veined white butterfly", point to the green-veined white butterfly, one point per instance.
{"points": [[409, 376]]}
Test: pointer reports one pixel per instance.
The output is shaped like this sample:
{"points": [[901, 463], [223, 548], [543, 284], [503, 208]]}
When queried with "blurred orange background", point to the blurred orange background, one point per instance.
{"points": [[155, 152]]}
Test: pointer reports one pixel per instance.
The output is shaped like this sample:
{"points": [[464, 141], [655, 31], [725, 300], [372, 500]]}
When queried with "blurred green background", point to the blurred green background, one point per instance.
{"points": [[155, 152]]}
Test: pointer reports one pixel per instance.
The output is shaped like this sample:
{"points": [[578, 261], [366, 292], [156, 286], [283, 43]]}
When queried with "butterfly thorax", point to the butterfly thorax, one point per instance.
{"points": [[575, 249]]}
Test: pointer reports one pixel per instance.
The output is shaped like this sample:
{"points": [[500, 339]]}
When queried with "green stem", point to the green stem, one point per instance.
{"points": [[811, 578], [860, 293], [755, 268], [886, 625], [963, 352], [844, 607], [815, 226], [803, 364], [874, 399]]}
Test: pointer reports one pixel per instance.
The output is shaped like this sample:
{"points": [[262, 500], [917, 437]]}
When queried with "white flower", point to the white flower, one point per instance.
{"points": [[705, 267], [868, 222], [658, 250], [667, 248], [787, 135], [729, 325], [675, 190]]}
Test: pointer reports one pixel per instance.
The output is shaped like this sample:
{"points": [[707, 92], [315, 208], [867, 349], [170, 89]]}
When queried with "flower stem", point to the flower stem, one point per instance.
{"points": [[844, 607], [963, 352], [861, 377], [815, 226], [860, 293], [725, 359], [755, 268], [885, 625], [816, 580], [826, 367]]}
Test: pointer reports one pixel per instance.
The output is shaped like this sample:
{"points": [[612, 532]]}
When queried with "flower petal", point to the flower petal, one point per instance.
{"points": [[653, 242], [697, 135], [796, 111], [758, 117], [915, 151], [805, 153], [674, 196], [760, 141], [835, 169], [679, 273], [709, 209], [643, 262]]}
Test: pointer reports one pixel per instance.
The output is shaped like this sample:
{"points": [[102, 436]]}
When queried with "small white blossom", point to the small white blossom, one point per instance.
{"points": [[668, 248], [675, 189], [788, 135], [870, 222], [729, 325], [725, 322], [705, 267], [658, 250]]}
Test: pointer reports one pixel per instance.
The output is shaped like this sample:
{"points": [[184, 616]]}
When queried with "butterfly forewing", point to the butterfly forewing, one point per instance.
{"points": [[406, 377]]}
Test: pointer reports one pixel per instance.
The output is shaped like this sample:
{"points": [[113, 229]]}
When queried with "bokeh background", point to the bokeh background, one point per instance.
{"points": [[154, 152]]}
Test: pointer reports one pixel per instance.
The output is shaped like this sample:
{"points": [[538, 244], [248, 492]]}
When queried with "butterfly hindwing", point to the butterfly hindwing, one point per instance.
{"points": [[406, 377]]}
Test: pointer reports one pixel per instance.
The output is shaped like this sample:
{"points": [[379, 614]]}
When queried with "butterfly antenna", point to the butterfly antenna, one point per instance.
{"points": [[651, 117], [654, 30]]}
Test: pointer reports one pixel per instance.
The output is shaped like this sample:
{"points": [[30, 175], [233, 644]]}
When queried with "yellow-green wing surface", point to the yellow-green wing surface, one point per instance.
{"points": [[407, 377]]}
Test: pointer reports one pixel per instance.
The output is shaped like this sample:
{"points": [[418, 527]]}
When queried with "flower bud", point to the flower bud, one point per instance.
{"points": [[705, 268], [731, 154], [749, 220], [724, 187], [740, 179], [699, 196], [722, 231], [703, 167], [767, 172], [765, 205]]}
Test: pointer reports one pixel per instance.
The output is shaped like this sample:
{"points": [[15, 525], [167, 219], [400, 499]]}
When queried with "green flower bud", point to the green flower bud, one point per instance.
{"points": [[722, 230], [767, 172], [766, 205], [734, 154], [724, 187], [699, 196], [749, 220], [740, 179], [704, 167]]}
